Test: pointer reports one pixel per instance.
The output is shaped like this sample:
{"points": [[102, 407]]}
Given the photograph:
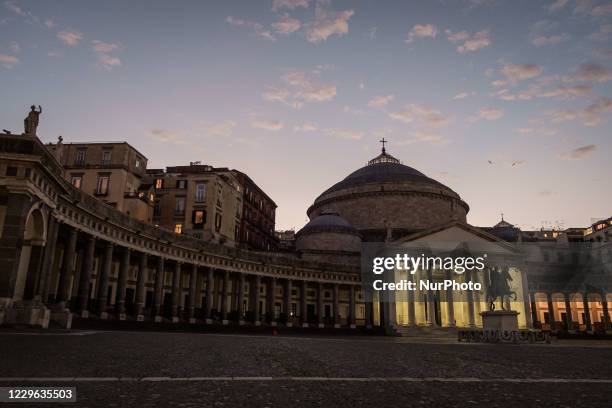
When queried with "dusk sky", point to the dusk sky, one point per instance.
{"points": [[509, 103]]}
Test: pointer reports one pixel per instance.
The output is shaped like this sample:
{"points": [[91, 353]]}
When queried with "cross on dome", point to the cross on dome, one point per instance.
{"points": [[383, 141], [384, 157]]}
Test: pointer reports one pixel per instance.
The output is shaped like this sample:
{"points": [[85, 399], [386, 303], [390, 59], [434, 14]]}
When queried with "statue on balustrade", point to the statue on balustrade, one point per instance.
{"points": [[30, 123]]}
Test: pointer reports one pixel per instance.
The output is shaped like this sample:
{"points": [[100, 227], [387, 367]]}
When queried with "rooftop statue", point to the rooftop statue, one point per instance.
{"points": [[30, 123]]}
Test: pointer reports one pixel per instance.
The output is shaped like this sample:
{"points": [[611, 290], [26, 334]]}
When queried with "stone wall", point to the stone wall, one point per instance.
{"points": [[328, 241], [402, 208]]}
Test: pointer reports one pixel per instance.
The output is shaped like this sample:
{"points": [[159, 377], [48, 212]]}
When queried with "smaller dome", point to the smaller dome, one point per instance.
{"points": [[327, 237], [328, 218]]}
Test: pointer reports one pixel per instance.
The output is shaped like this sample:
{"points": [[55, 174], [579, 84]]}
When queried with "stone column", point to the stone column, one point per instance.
{"points": [[159, 289], [606, 316], [272, 300], [526, 302], [63, 294], [103, 278], [303, 304], [225, 297], [87, 270], [320, 305], [470, 301], [287, 299], [450, 305], [336, 305], [352, 314], [241, 282], [568, 311], [587, 312], [551, 311], [193, 284], [411, 303], [369, 313], [257, 283], [431, 306], [176, 292], [141, 290], [534, 311], [124, 268], [210, 281], [49, 258]]}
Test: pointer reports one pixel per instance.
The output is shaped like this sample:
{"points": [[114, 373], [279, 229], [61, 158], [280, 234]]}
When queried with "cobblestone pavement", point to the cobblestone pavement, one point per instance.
{"points": [[188, 370]]}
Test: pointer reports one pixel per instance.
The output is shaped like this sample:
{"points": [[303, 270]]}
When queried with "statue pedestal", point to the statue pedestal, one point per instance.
{"points": [[500, 320]]}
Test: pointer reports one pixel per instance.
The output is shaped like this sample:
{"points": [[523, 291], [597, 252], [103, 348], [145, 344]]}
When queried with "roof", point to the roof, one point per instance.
{"points": [[326, 221], [329, 219], [51, 144], [381, 172], [459, 224]]}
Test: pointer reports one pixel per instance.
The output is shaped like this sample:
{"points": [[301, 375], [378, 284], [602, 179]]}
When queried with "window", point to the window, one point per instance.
{"points": [[106, 157], [178, 228], [79, 160], [102, 185], [179, 208], [217, 222], [137, 164], [182, 184], [11, 171], [156, 209], [76, 180], [159, 183], [198, 218], [200, 192]]}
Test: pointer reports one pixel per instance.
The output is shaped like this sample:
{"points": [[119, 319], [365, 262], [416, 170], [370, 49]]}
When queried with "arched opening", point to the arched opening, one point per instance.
{"points": [[31, 255]]}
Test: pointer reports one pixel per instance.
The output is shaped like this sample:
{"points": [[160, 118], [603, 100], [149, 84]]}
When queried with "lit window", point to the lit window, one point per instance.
{"points": [[159, 183], [199, 218], [137, 164], [76, 181], [182, 184], [178, 228], [200, 192], [102, 185]]}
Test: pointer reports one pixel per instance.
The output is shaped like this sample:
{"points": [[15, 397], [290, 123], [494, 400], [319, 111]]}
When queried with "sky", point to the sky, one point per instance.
{"points": [[509, 103]]}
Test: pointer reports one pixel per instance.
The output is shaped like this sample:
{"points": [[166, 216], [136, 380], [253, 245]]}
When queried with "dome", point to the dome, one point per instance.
{"points": [[328, 237], [328, 220], [381, 172], [386, 194]]}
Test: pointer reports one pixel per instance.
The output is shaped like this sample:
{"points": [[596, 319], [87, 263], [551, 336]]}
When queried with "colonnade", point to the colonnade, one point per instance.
{"points": [[91, 276], [571, 310]]}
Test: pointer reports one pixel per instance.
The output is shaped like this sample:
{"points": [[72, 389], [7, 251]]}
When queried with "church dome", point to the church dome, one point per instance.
{"points": [[388, 194], [384, 168], [328, 220], [328, 233]]}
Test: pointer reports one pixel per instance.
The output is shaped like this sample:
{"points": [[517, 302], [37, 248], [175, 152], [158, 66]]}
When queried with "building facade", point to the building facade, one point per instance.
{"points": [[66, 253], [258, 216], [110, 171], [201, 201]]}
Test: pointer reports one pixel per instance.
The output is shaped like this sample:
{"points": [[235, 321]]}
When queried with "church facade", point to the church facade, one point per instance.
{"points": [[65, 254]]}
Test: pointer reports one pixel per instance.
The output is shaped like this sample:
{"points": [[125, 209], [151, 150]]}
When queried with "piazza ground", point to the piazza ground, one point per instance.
{"points": [[122, 368]]}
